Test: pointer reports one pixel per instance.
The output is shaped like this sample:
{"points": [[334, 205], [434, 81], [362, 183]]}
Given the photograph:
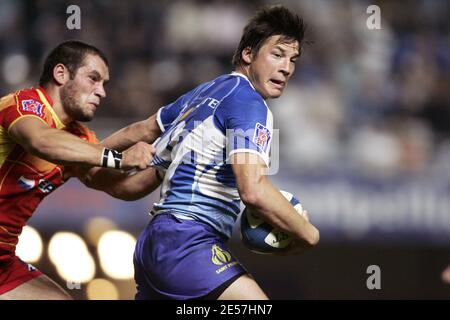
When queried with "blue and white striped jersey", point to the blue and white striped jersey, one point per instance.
{"points": [[200, 131]]}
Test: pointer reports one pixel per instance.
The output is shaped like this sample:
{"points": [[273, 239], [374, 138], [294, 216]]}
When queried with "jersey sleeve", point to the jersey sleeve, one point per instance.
{"points": [[168, 113], [249, 126]]}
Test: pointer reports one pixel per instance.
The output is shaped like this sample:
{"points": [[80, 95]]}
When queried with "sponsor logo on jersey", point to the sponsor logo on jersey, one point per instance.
{"points": [[26, 184], [46, 186]]}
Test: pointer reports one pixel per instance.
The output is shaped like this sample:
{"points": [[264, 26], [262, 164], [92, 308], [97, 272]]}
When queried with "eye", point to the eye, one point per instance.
{"points": [[94, 78], [277, 55]]}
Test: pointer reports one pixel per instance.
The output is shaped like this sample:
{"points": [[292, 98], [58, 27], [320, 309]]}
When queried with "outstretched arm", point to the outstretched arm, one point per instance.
{"points": [[146, 130], [56, 146], [61, 147]]}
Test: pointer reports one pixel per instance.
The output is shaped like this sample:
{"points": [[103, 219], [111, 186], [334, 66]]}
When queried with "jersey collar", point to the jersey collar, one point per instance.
{"points": [[235, 73]]}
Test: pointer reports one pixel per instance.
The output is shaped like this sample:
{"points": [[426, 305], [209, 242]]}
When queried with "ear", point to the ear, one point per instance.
{"points": [[247, 55], [61, 74]]}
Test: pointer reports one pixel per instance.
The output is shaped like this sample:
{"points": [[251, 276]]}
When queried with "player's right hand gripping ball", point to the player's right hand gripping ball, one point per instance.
{"points": [[261, 237]]}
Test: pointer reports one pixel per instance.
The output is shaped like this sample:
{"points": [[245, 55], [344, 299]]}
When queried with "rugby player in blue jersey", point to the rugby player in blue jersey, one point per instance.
{"points": [[213, 152]]}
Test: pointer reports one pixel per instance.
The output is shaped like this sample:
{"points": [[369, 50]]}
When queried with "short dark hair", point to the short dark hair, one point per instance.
{"points": [[71, 54], [267, 22]]}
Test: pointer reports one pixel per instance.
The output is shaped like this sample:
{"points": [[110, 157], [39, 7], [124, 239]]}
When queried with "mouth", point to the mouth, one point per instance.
{"points": [[279, 84]]}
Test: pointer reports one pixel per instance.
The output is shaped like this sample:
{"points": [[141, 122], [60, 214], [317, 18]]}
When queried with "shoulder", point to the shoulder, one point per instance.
{"points": [[29, 100], [23, 103], [245, 100], [24, 99], [28, 93], [244, 93]]}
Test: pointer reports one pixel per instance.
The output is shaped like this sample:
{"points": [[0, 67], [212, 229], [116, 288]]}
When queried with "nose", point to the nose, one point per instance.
{"points": [[285, 67], [100, 91]]}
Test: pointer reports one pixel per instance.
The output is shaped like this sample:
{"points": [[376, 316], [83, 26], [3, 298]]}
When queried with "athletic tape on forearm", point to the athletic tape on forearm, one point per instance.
{"points": [[111, 159]]}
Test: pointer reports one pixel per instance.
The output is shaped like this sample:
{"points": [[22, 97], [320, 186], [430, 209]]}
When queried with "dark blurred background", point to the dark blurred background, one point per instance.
{"points": [[364, 138]]}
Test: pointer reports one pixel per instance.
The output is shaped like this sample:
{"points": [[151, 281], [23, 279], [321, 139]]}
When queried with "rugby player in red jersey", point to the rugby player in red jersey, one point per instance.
{"points": [[41, 137]]}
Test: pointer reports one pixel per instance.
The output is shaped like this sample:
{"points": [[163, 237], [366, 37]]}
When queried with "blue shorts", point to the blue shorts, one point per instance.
{"points": [[181, 259]]}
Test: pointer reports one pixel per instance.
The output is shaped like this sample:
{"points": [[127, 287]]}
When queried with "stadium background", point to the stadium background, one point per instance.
{"points": [[364, 138]]}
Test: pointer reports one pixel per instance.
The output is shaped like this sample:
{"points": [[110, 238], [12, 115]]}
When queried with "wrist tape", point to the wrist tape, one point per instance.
{"points": [[111, 159]]}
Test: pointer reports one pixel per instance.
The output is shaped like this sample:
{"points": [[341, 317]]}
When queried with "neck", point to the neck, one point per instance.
{"points": [[54, 93], [243, 70]]}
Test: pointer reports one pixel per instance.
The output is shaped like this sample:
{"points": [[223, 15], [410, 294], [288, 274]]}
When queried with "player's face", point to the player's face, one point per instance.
{"points": [[81, 96], [272, 67]]}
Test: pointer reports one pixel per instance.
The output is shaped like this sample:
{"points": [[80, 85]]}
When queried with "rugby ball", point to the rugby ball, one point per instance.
{"points": [[261, 237]]}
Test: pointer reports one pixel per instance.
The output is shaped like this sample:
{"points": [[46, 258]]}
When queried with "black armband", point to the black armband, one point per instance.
{"points": [[111, 159]]}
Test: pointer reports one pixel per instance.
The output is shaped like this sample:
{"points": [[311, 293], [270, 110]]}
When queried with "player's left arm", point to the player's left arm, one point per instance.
{"points": [[146, 130]]}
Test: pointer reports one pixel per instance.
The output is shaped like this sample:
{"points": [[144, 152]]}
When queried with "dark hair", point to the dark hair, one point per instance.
{"points": [[267, 22], [71, 54]]}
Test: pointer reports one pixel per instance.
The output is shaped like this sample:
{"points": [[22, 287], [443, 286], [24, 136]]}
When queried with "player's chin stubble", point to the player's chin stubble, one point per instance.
{"points": [[70, 104]]}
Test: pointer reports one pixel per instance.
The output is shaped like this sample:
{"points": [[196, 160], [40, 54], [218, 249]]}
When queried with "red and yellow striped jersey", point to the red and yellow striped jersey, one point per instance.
{"points": [[26, 179]]}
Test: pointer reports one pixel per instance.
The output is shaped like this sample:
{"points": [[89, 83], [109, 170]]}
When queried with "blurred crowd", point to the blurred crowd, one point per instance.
{"points": [[375, 102]]}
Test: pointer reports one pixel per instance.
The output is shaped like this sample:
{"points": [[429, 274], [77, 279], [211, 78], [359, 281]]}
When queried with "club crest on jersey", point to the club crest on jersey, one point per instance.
{"points": [[223, 258], [219, 256], [32, 106], [262, 136]]}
